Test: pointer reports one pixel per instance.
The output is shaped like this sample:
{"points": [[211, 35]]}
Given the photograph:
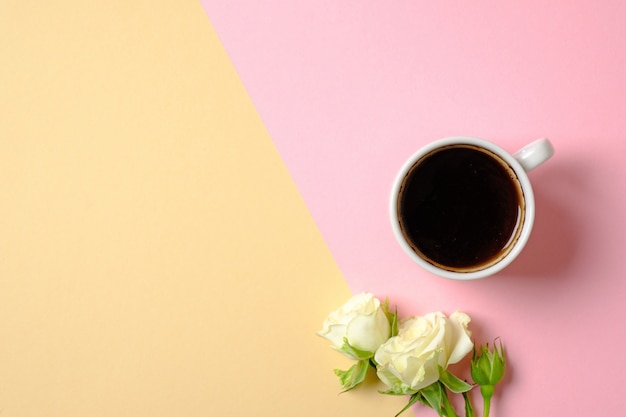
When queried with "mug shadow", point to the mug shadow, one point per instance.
{"points": [[555, 238]]}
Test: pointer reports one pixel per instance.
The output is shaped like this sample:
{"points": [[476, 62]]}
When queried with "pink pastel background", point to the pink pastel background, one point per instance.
{"points": [[349, 89]]}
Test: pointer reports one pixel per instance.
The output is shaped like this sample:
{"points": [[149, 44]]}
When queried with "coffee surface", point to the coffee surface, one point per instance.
{"points": [[459, 207]]}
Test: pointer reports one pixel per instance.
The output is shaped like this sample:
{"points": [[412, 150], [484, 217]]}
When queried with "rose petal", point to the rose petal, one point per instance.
{"points": [[460, 343]]}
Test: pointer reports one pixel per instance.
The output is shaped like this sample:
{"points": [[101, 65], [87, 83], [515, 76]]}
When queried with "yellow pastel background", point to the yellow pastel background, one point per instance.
{"points": [[155, 257]]}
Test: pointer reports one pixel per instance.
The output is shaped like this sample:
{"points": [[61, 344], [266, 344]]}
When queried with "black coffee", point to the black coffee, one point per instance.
{"points": [[459, 208]]}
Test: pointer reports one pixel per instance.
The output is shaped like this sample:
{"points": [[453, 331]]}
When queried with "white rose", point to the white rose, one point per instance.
{"points": [[362, 321], [410, 361]]}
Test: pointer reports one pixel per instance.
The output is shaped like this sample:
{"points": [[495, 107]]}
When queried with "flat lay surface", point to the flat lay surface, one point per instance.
{"points": [[134, 279], [349, 90], [188, 189]]}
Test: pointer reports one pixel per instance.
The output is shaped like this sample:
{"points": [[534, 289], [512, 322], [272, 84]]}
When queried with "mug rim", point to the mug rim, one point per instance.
{"points": [[525, 186]]}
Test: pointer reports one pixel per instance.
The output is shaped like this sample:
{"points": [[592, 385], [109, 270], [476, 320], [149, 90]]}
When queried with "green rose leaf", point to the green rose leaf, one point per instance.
{"points": [[452, 382], [414, 398], [391, 392], [401, 389], [434, 396], [397, 387], [354, 376]]}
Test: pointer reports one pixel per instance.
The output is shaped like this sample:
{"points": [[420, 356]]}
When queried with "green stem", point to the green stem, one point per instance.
{"points": [[447, 406], [486, 407], [469, 410], [487, 393]]}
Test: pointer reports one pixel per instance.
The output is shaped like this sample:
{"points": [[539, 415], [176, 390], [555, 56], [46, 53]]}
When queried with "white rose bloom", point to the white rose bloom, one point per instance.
{"points": [[362, 321], [409, 361]]}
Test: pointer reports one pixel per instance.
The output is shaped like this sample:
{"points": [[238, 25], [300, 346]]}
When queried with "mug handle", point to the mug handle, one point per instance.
{"points": [[534, 154]]}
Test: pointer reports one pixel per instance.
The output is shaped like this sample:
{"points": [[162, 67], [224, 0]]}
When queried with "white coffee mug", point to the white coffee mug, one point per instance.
{"points": [[463, 208]]}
